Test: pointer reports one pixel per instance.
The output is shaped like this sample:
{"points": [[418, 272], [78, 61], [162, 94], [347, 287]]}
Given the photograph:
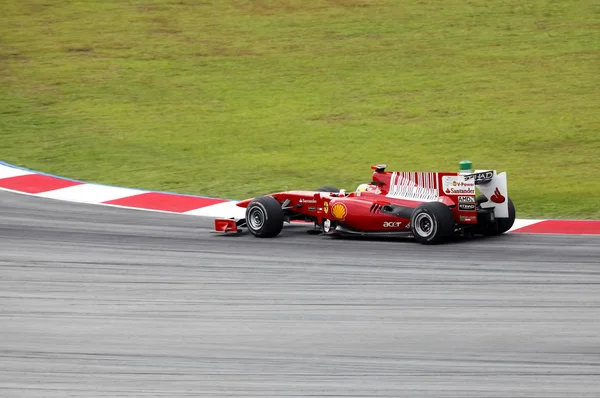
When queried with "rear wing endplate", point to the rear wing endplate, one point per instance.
{"points": [[494, 187]]}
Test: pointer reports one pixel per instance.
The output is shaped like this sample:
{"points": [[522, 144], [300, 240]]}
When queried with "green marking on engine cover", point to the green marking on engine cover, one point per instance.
{"points": [[466, 165]]}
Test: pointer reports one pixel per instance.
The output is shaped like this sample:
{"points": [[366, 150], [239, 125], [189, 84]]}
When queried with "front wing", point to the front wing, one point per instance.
{"points": [[229, 225]]}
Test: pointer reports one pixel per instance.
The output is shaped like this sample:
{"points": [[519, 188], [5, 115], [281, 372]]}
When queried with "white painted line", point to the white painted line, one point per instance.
{"points": [[8, 172], [220, 210], [90, 193]]}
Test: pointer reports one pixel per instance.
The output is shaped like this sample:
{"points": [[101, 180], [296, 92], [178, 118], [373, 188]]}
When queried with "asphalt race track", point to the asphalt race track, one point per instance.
{"points": [[99, 301]]}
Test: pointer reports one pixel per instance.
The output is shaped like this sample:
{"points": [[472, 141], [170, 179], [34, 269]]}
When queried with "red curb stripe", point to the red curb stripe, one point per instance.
{"points": [[36, 183], [165, 202], [566, 227]]}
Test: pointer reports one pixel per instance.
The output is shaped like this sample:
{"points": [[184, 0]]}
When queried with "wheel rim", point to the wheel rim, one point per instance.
{"points": [[424, 225], [256, 218]]}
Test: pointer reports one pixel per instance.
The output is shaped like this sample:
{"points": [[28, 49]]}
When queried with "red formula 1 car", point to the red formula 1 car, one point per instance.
{"points": [[432, 207]]}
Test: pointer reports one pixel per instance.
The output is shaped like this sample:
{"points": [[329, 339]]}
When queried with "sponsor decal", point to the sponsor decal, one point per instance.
{"points": [[456, 185], [466, 206], [466, 199], [459, 191], [325, 207], [480, 178], [497, 197], [392, 224], [467, 218], [308, 201], [312, 208], [339, 211]]}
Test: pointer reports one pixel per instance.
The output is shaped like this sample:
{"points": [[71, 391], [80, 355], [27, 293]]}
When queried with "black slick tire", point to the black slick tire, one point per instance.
{"points": [[264, 217], [504, 224], [328, 226], [432, 223], [501, 225]]}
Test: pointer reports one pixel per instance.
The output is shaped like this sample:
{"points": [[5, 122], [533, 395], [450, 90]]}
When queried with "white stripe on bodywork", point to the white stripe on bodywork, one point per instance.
{"points": [[413, 186], [220, 210], [8, 172], [90, 193]]}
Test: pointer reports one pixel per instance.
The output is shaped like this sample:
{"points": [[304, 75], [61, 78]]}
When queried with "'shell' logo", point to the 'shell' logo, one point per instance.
{"points": [[497, 197], [339, 211]]}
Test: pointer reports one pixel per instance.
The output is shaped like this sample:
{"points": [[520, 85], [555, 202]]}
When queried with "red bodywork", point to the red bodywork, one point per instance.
{"points": [[384, 208], [225, 225]]}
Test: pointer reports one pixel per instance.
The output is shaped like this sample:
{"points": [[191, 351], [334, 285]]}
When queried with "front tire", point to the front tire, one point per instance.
{"points": [[329, 226], [264, 217], [432, 223]]}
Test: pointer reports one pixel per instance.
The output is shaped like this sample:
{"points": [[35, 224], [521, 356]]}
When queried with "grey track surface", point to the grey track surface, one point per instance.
{"points": [[100, 301]]}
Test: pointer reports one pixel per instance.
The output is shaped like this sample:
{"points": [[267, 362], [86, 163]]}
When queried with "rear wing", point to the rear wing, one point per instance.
{"points": [[495, 188], [432, 186]]}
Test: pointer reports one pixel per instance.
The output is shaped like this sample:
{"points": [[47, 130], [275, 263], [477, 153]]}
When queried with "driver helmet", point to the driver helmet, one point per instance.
{"points": [[363, 188]]}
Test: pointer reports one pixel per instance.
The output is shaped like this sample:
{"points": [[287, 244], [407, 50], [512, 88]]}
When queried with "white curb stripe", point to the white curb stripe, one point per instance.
{"points": [[521, 223], [8, 172], [90, 193], [220, 210]]}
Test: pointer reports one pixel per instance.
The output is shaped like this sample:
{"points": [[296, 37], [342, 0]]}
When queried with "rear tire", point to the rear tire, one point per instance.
{"points": [[501, 225], [264, 217], [432, 223], [327, 188]]}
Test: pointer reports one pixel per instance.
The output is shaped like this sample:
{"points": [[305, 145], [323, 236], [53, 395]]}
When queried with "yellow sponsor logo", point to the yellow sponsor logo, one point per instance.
{"points": [[339, 211], [325, 207]]}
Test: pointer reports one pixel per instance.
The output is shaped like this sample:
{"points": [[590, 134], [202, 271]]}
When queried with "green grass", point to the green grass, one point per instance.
{"points": [[239, 98]]}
